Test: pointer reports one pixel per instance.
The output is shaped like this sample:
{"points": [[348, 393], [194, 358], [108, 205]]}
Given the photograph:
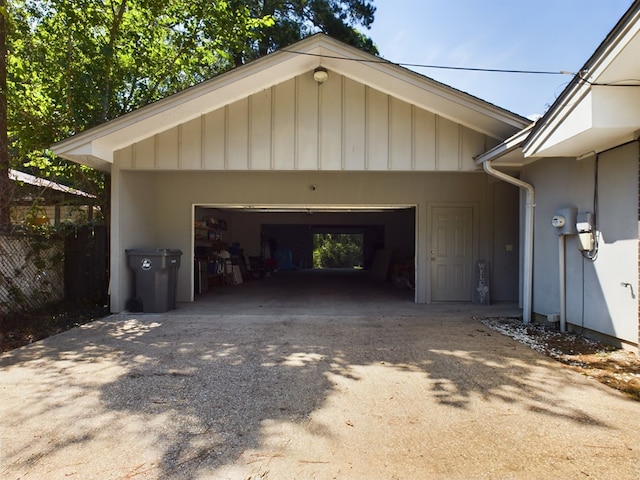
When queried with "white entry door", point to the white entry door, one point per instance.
{"points": [[451, 254]]}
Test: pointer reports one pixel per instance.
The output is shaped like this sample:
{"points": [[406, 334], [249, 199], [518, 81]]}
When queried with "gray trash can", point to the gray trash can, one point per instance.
{"points": [[156, 278]]}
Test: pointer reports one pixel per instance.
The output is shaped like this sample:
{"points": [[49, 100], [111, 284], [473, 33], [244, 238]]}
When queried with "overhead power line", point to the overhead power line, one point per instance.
{"points": [[442, 67], [621, 83]]}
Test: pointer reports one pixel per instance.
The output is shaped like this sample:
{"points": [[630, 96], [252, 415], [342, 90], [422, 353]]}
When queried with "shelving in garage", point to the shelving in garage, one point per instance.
{"points": [[212, 262]]}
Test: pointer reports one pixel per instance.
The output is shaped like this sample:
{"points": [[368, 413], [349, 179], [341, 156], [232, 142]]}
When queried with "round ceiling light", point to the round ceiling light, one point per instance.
{"points": [[320, 75]]}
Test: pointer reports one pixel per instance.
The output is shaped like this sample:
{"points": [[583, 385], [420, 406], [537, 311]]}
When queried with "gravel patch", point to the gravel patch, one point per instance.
{"points": [[616, 368]]}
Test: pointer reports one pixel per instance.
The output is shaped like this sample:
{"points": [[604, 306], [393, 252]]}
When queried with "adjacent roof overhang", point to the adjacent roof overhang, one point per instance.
{"points": [[42, 186], [600, 108], [96, 146], [508, 153]]}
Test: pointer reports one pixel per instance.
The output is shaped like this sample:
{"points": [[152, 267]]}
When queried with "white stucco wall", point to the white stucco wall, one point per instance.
{"points": [[133, 225], [165, 200], [596, 298]]}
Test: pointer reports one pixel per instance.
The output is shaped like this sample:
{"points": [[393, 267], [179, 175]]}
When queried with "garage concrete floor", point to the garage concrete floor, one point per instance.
{"points": [[357, 385], [323, 292]]}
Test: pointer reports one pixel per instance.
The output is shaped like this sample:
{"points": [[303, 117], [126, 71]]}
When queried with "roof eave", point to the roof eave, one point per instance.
{"points": [[508, 153], [578, 87]]}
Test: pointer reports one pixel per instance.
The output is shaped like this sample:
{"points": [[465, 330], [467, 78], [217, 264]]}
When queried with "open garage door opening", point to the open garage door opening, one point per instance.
{"points": [[339, 246], [338, 250]]}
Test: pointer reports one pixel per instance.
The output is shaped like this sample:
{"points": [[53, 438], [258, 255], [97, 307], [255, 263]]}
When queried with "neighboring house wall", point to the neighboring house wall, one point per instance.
{"points": [[154, 209], [597, 297]]}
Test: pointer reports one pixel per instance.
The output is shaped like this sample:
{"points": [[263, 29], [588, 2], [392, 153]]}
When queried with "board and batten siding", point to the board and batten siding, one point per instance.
{"points": [[302, 125]]}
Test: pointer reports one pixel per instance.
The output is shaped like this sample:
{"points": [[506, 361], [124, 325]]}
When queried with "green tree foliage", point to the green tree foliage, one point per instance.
{"points": [[75, 64], [294, 20], [337, 250]]}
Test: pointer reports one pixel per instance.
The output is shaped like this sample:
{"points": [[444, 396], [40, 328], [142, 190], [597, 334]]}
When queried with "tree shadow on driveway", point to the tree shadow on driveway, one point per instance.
{"points": [[189, 396]]}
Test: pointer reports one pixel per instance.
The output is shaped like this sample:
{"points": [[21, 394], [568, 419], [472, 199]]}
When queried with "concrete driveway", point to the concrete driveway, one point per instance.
{"points": [[359, 385]]}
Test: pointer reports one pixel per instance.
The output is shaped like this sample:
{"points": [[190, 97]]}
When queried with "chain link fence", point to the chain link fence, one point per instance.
{"points": [[31, 272]]}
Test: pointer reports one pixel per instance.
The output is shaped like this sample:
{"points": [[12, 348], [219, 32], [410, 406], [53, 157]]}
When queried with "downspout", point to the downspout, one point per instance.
{"points": [[530, 204]]}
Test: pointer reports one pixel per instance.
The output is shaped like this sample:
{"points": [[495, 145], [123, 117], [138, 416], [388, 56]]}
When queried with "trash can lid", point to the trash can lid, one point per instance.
{"points": [[151, 252]]}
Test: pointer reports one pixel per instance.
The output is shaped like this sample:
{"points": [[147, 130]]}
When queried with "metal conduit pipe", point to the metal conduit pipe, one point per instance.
{"points": [[527, 288], [563, 284]]}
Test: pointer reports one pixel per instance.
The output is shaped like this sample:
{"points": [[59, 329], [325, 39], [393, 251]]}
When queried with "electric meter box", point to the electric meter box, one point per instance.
{"points": [[564, 220], [586, 242]]}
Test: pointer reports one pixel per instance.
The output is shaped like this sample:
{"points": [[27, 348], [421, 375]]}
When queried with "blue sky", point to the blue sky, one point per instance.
{"points": [[548, 35]]}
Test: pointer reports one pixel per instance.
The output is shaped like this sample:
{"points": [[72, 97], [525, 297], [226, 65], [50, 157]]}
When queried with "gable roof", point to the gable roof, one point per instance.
{"points": [[600, 108], [96, 147]]}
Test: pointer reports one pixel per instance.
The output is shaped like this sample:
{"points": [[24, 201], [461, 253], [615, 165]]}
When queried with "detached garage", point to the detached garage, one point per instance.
{"points": [[320, 137]]}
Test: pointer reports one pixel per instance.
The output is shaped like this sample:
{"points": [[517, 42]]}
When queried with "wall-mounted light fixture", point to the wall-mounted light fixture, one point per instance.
{"points": [[320, 74]]}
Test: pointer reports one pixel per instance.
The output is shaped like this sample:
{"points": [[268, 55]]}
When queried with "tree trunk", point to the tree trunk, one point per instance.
{"points": [[5, 182]]}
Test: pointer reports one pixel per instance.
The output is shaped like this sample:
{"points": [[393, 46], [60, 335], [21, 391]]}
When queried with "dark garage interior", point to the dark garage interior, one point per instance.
{"points": [[322, 247]]}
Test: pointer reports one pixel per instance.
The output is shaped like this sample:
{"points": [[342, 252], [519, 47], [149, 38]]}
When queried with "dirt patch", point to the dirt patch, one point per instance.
{"points": [[616, 368], [23, 328]]}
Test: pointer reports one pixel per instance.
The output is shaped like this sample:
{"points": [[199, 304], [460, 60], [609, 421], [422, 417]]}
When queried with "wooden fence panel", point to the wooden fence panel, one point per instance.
{"points": [[85, 265]]}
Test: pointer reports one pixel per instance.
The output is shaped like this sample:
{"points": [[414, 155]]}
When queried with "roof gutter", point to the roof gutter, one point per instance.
{"points": [[527, 293]]}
